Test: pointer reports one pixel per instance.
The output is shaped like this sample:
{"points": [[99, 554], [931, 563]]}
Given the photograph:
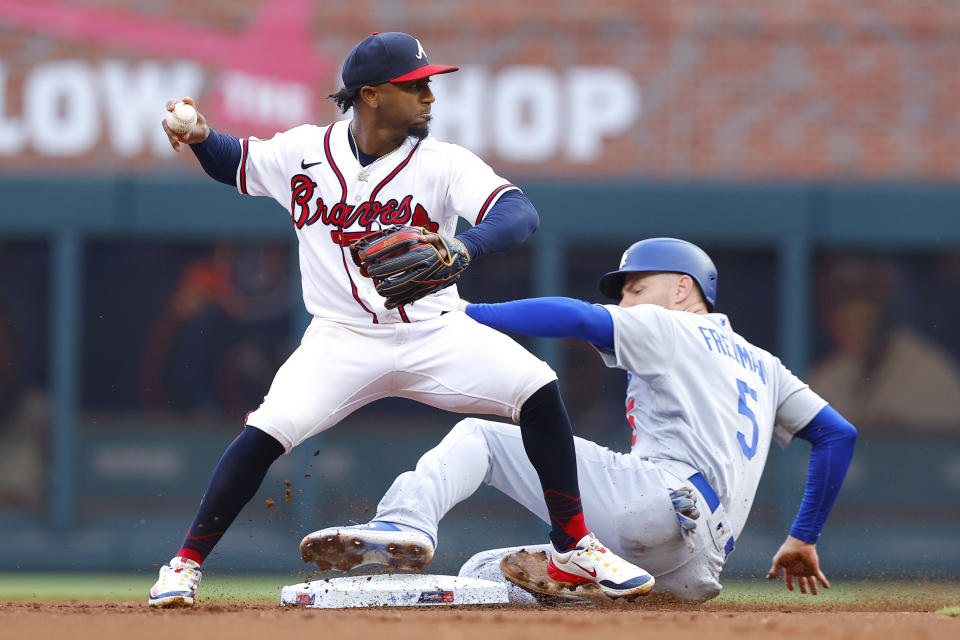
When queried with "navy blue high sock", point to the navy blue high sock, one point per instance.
{"points": [[235, 481], [548, 440]]}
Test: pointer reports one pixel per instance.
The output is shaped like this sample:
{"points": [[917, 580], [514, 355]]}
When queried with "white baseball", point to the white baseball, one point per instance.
{"points": [[182, 118]]}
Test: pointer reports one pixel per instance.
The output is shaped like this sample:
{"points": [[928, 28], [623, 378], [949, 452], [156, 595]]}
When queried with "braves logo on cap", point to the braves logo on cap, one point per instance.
{"points": [[388, 57]]}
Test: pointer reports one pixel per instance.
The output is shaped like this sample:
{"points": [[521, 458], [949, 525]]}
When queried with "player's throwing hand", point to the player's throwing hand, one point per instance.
{"points": [[197, 134], [798, 559]]}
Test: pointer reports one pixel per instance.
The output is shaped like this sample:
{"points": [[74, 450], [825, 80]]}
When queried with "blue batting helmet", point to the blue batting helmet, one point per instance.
{"points": [[664, 254]]}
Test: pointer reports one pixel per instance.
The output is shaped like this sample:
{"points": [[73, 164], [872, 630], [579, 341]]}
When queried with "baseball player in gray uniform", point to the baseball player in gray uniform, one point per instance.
{"points": [[703, 405], [338, 183]]}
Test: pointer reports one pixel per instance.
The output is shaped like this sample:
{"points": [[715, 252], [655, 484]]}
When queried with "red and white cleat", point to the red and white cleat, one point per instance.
{"points": [[590, 561], [177, 584]]}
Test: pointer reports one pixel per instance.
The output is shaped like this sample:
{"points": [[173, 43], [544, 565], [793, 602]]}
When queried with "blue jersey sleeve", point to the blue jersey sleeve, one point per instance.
{"points": [[510, 221], [832, 440], [219, 155], [549, 318]]}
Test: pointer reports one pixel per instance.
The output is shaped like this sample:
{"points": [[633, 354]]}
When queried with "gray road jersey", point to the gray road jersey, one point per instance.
{"points": [[702, 398]]}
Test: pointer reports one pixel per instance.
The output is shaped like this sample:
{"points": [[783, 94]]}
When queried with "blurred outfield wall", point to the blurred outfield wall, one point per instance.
{"points": [[810, 146]]}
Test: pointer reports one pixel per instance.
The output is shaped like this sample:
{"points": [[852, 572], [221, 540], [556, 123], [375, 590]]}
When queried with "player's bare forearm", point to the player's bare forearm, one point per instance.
{"points": [[798, 559], [197, 134]]}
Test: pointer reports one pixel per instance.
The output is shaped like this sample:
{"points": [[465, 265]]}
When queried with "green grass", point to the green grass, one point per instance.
{"points": [[126, 587], [842, 593], [266, 589]]}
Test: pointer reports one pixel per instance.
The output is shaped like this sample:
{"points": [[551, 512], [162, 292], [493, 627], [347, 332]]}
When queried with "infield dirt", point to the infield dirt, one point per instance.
{"points": [[96, 620]]}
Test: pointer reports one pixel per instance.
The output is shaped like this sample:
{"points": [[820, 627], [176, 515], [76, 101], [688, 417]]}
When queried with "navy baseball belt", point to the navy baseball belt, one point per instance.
{"points": [[713, 502]]}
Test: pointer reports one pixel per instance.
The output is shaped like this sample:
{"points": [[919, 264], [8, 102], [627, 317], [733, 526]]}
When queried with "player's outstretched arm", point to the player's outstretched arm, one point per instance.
{"points": [[548, 318], [197, 134], [798, 559], [832, 441]]}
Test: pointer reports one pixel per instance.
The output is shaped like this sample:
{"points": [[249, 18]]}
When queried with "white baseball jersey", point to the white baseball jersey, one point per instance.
{"points": [[313, 172], [355, 349], [702, 398]]}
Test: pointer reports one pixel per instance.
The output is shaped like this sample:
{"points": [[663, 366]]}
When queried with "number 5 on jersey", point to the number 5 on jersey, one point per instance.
{"points": [[751, 449]]}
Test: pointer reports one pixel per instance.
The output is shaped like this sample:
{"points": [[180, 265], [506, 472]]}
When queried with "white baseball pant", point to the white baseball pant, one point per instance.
{"points": [[451, 362]]}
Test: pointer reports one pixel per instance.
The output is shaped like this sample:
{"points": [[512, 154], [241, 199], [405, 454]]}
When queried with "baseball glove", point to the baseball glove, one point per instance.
{"points": [[408, 263]]}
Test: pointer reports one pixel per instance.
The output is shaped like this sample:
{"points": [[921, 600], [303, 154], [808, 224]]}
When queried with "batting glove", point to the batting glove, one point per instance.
{"points": [[685, 504]]}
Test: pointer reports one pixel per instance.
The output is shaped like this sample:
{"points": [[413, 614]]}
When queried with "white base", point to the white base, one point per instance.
{"points": [[397, 590]]}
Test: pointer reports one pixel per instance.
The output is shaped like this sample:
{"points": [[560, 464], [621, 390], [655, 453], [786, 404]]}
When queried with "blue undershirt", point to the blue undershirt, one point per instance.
{"points": [[831, 437], [832, 440], [508, 223], [549, 318], [219, 155]]}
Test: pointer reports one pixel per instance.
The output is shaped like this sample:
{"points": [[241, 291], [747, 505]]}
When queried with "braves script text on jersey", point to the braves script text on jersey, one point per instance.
{"points": [[424, 183]]}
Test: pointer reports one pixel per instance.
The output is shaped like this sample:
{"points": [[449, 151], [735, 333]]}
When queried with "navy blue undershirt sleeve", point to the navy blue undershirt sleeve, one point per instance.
{"points": [[508, 223], [219, 155], [549, 318], [832, 440]]}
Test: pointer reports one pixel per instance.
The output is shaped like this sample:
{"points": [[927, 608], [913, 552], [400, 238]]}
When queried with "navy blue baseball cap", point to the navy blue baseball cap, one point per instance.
{"points": [[388, 57]]}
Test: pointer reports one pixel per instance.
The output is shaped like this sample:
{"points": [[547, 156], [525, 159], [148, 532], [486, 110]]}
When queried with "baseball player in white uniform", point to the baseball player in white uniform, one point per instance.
{"points": [[338, 183], [703, 405]]}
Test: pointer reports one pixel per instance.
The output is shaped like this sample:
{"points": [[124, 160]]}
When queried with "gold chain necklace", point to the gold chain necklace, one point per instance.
{"points": [[364, 174]]}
